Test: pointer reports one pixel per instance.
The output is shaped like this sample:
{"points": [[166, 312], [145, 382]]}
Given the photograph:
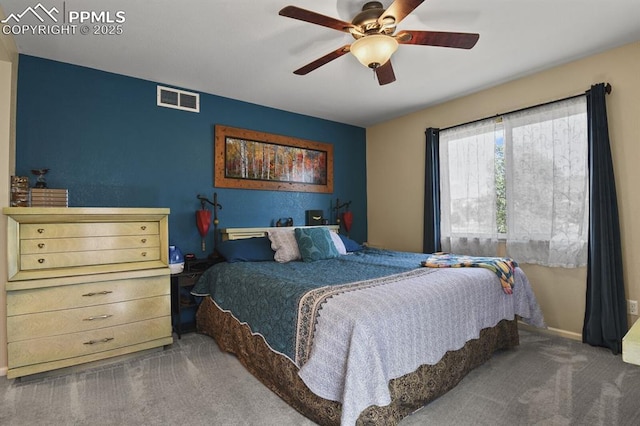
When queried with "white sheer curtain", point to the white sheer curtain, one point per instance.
{"points": [[467, 189], [547, 180]]}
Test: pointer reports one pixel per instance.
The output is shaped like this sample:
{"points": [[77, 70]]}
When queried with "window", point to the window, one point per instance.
{"points": [[522, 178]]}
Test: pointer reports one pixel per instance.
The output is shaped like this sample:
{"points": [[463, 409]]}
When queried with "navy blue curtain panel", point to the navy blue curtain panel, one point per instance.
{"points": [[431, 238], [605, 322]]}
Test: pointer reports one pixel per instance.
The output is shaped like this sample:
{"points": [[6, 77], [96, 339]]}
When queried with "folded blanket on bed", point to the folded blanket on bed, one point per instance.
{"points": [[503, 267]]}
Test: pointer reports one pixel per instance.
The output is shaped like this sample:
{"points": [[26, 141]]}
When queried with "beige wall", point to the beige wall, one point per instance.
{"points": [[8, 78], [395, 169]]}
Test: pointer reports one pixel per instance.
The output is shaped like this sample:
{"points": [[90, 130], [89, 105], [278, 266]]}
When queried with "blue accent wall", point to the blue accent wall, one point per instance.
{"points": [[104, 138]]}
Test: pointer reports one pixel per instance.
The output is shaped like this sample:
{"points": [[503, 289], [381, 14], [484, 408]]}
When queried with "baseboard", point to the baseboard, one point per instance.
{"points": [[554, 331], [3, 371]]}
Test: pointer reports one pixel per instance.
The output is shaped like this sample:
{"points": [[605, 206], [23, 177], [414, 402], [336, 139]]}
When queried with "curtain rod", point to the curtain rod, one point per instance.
{"points": [[607, 89]]}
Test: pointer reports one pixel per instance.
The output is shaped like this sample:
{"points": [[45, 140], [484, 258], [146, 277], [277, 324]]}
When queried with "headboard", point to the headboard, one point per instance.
{"points": [[239, 233]]}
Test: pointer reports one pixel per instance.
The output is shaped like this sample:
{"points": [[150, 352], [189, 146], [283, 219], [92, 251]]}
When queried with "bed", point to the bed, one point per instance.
{"points": [[354, 335]]}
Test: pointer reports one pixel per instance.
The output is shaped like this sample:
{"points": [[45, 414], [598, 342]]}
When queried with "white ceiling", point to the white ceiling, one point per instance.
{"points": [[244, 50]]}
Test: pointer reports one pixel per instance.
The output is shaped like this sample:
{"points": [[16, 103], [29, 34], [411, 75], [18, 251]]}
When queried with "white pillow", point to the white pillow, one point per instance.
{"points": [[283, 242], [337, 241]]}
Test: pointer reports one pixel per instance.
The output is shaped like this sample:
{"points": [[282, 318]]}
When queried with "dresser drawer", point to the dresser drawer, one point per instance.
{"points": [[35, 351], [22, 302], [57, 245], [71, 230], [51, 242], [52, 323], [29, 262]]}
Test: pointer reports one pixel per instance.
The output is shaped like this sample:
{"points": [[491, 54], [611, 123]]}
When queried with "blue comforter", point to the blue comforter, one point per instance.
{"points": [[266, 294]]}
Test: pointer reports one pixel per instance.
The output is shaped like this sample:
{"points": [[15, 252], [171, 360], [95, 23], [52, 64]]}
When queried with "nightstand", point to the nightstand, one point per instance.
{"points": [[183, 304], [182, 301]]}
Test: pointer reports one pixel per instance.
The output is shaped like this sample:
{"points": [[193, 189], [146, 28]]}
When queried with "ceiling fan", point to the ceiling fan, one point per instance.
{"points": [[374, 28]]}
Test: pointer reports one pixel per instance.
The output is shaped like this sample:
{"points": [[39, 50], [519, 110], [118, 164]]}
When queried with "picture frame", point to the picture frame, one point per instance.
{"points": [[249, 159]]}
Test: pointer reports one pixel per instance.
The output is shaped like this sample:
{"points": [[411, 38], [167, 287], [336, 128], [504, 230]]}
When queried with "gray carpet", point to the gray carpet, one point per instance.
{"points": [[547, 380]]}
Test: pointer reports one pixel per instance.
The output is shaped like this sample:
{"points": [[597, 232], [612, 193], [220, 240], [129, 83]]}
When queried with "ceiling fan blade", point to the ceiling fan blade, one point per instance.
{"points": [[385, 73], [315, 18], [438, 38], [322, 61], [399, 9]]}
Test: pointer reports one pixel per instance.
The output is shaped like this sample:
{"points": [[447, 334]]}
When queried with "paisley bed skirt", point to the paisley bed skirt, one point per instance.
{"points": [[408, 393]]}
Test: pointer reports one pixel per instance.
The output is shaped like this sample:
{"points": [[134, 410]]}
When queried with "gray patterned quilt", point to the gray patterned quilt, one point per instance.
{"points": [[353, 323]]}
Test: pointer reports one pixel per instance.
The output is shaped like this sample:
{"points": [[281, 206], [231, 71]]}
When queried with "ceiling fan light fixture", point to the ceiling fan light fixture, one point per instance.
{"points": [[374, 50]]}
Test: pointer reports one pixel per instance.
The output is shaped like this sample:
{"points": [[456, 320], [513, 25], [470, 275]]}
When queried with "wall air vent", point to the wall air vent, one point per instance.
{"points": [[178, 99]]}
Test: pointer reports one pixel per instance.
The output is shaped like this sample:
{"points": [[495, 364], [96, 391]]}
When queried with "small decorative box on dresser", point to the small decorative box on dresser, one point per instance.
{"points": [[85, 284], [45, 197]]}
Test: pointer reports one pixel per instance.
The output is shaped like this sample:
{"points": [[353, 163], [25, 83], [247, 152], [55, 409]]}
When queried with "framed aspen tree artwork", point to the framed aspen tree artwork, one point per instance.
{"points": [[257, 160]]}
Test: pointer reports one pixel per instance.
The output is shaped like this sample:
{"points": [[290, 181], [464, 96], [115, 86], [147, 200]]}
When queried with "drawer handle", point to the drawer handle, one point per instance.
{"points": [[144, 254], [40, 245], [98, 293], [144, 240], [143, 227], [93, 342], [40, 230], [41, 260], [105, 316]]}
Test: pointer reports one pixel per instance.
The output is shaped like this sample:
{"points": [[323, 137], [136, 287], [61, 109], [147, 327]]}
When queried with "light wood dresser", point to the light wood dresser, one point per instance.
{"points": [[85, 284]]}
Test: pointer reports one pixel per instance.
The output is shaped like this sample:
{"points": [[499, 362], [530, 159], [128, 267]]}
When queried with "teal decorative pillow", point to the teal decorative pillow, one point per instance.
{"points": [[315, 244]]}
